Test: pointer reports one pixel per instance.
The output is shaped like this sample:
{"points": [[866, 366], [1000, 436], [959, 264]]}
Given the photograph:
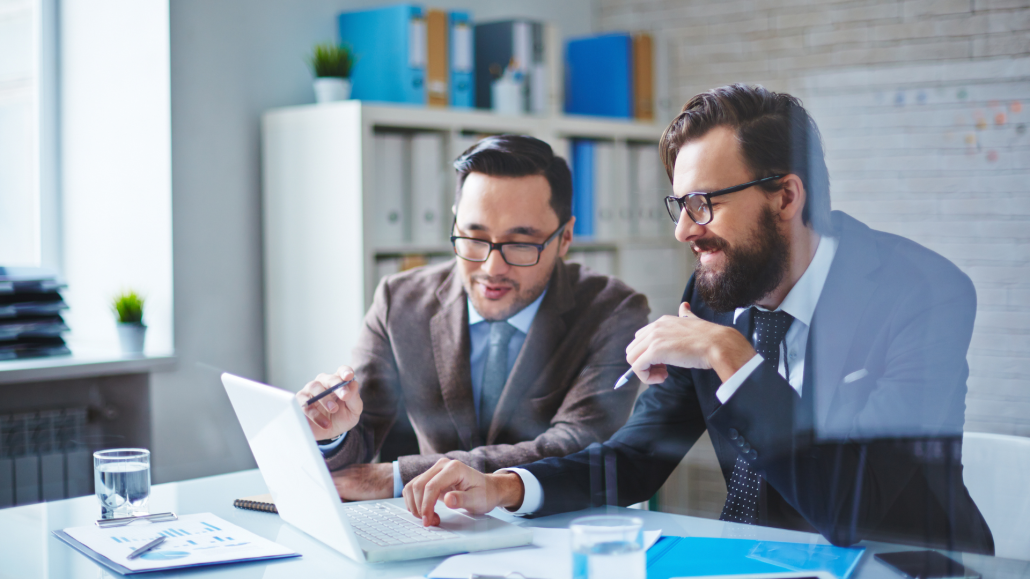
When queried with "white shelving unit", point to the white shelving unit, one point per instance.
{"points": [[318, 164]]}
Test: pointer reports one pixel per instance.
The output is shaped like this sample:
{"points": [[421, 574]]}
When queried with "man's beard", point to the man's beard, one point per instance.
{"points": [[752, 271]]}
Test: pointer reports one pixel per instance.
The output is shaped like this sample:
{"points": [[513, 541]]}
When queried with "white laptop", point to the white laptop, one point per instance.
{"points": [[304, 494]]}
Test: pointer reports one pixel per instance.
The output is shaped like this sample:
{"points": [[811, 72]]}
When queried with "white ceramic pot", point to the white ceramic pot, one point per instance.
{"points": [[131, 337], [331, 89]]}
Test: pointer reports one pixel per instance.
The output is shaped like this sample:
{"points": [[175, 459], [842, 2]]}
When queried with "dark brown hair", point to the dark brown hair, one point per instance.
{"points": [[776, 136], [519, 156]]}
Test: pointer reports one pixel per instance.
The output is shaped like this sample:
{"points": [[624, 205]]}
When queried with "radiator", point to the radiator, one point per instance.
{"points": [[43, 457]]}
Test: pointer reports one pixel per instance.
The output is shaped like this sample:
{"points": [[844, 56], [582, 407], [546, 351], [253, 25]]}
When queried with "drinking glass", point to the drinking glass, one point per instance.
{"points": [[121, 477], [606, 547]]}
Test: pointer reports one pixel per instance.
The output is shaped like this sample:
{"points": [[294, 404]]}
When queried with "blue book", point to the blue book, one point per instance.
{"points": [[462, 59], [698, 556], [390, 50], [599, 76], [583, 186]]}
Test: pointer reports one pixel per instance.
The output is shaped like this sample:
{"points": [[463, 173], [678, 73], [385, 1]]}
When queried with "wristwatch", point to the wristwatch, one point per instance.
{"points": [[329, 440]]}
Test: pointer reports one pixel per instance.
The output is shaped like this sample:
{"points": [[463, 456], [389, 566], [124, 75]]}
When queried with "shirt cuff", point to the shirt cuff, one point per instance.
{"points": [[533, 495], [328, 449], [730, 386], [398, 484]]}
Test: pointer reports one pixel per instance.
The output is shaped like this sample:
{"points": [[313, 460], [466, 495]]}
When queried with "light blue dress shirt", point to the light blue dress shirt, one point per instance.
{"points": [[479, 337]]}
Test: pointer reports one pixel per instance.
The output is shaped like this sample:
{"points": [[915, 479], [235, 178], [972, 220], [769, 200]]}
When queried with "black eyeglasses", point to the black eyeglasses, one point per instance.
{"points": [[515, 253], [699, 205]]}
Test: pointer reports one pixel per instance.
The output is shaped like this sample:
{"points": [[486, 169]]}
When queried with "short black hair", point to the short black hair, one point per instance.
{"points": [[519, 156], [776, 136]]}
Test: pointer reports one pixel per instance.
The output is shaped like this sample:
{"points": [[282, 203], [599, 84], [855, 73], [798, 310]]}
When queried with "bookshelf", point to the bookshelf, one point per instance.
{"points": [[323, 254]]}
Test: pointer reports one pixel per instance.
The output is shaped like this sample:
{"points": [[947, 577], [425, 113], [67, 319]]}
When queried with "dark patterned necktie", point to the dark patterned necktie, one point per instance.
{"points": [[745, 484]]}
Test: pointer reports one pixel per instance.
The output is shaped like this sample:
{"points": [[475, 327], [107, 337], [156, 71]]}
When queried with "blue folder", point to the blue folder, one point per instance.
{"points": [[698, 556], [390, 49], [599, 76], [583, 186], [463, 88]]}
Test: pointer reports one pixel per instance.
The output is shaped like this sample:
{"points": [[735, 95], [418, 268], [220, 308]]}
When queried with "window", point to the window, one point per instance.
{"points": [[27, 114]]}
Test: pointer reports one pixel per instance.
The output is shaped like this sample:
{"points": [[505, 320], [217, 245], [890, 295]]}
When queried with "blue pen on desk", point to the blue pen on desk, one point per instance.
{"points": [[328, 392]]}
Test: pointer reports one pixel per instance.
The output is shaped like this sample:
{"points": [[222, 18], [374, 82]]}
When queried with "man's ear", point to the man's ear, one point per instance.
{"points": [[792, 197], [566, 238]]}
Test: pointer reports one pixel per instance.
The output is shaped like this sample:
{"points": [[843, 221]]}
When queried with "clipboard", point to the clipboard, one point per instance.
{"points": [[124, 539]]}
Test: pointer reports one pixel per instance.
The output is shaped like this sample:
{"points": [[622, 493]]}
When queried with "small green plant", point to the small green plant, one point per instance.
{"points": [[331, 60], [128, 307]]}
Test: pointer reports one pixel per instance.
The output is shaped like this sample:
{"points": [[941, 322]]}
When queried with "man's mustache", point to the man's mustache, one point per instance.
{"points": [[708, 244], [486, 279]]}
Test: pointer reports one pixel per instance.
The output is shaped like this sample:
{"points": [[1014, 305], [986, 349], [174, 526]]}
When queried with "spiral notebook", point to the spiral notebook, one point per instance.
{"points": [[261, 503]]}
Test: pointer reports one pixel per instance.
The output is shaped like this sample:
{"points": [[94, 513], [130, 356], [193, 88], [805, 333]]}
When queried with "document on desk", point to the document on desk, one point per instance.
{"points": [[549, 557], [190, 541]]}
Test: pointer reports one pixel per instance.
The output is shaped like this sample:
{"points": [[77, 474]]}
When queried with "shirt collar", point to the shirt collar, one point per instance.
{"points": [[522, 320], [802, 298]]}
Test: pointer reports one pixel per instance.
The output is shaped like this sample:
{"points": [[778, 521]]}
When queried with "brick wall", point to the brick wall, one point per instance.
{"points": [[923, 109]]}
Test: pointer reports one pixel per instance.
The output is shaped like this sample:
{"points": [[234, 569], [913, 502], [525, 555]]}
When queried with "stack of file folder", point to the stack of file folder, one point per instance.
{"points": [[405, 54], [30, 313]]}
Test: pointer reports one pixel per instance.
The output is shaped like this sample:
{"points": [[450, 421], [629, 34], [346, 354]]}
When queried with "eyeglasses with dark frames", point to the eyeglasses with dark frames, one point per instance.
{"points": [[516, 253], [699, 205]]}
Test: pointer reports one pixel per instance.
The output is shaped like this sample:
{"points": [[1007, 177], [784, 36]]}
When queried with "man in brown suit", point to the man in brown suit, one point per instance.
{"points": [[505, 356]]}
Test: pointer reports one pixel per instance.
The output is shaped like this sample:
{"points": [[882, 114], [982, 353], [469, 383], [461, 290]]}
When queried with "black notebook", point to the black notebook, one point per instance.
{"points": [[256, 503]]}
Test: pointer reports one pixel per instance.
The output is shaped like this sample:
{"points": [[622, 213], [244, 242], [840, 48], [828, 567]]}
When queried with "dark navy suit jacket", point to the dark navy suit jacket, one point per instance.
{"points": [[872, 450]]}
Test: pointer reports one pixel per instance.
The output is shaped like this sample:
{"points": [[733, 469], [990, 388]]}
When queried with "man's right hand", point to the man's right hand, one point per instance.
{"points": [[461, 487], [337, 413]]}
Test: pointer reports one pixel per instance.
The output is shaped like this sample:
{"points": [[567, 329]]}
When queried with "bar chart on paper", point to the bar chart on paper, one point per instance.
{"points": [[200, 539]]}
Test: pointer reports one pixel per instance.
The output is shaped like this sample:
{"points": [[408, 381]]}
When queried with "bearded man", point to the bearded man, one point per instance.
{"points": [[827, 360], [504, 356]]}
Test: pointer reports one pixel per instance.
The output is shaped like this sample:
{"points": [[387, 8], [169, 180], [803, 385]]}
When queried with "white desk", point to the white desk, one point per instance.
{"points": [[29, 551]]}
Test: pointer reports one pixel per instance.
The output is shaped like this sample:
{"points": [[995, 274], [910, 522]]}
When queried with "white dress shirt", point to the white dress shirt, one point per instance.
{"points": [[479, 338], [800, 303]]}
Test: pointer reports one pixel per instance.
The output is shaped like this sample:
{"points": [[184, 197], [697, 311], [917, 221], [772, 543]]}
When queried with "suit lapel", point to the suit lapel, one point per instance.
{"points": [[545, 336], [451, 347], [843, 302]]}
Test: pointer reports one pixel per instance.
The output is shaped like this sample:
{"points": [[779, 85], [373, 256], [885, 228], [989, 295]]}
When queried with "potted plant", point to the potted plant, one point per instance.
{"points": [[128, 309], [331, 65]]}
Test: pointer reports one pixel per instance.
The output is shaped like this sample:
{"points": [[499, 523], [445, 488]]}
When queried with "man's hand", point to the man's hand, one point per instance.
{"points": [[689, 342], [364, 482], [336, 413], [461, 486]]}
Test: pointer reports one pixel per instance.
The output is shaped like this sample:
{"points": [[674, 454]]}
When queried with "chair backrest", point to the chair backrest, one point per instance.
{"points": [[997, 473]]}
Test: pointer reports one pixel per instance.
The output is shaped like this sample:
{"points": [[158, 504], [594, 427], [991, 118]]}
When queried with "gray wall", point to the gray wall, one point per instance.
{"points": [[230, 61]]}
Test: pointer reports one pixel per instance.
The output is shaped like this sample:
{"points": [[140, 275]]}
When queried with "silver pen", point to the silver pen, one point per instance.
{"points": [[147, 547], [624, 379]]}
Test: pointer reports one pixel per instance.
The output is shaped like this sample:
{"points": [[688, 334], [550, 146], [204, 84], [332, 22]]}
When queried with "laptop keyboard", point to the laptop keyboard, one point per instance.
{"points": [[385, 525]]}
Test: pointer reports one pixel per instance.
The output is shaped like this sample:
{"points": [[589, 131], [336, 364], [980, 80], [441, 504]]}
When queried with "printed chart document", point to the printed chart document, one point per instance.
{"points": [[549, 557], [192, 540]]}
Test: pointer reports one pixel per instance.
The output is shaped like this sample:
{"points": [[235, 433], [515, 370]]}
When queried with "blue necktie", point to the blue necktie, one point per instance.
{"points": [[495, 374], [744, 488]]}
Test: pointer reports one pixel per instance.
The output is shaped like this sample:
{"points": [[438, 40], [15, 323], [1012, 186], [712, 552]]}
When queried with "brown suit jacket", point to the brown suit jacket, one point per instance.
{"points": [[558, 398]]}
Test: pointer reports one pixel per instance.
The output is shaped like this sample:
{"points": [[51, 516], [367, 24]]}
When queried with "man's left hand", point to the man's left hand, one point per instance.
{"points": [[363, 482], [686, 341]]}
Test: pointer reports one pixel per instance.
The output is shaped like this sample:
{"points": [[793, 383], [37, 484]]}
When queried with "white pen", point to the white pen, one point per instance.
{"points": [[629, 373], [624, 379]]}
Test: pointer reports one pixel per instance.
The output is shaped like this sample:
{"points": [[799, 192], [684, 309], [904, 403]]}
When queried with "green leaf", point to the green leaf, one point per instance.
{"points": [[331, 60], [128, 307]]}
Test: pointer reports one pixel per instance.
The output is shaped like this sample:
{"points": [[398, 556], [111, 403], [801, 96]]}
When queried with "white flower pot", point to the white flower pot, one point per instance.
{"points": [[331, 89], [131, 337]]}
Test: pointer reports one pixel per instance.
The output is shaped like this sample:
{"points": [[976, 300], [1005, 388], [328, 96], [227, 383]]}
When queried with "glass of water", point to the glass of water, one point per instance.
{"points": [[606, 546], [121, 477]]}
